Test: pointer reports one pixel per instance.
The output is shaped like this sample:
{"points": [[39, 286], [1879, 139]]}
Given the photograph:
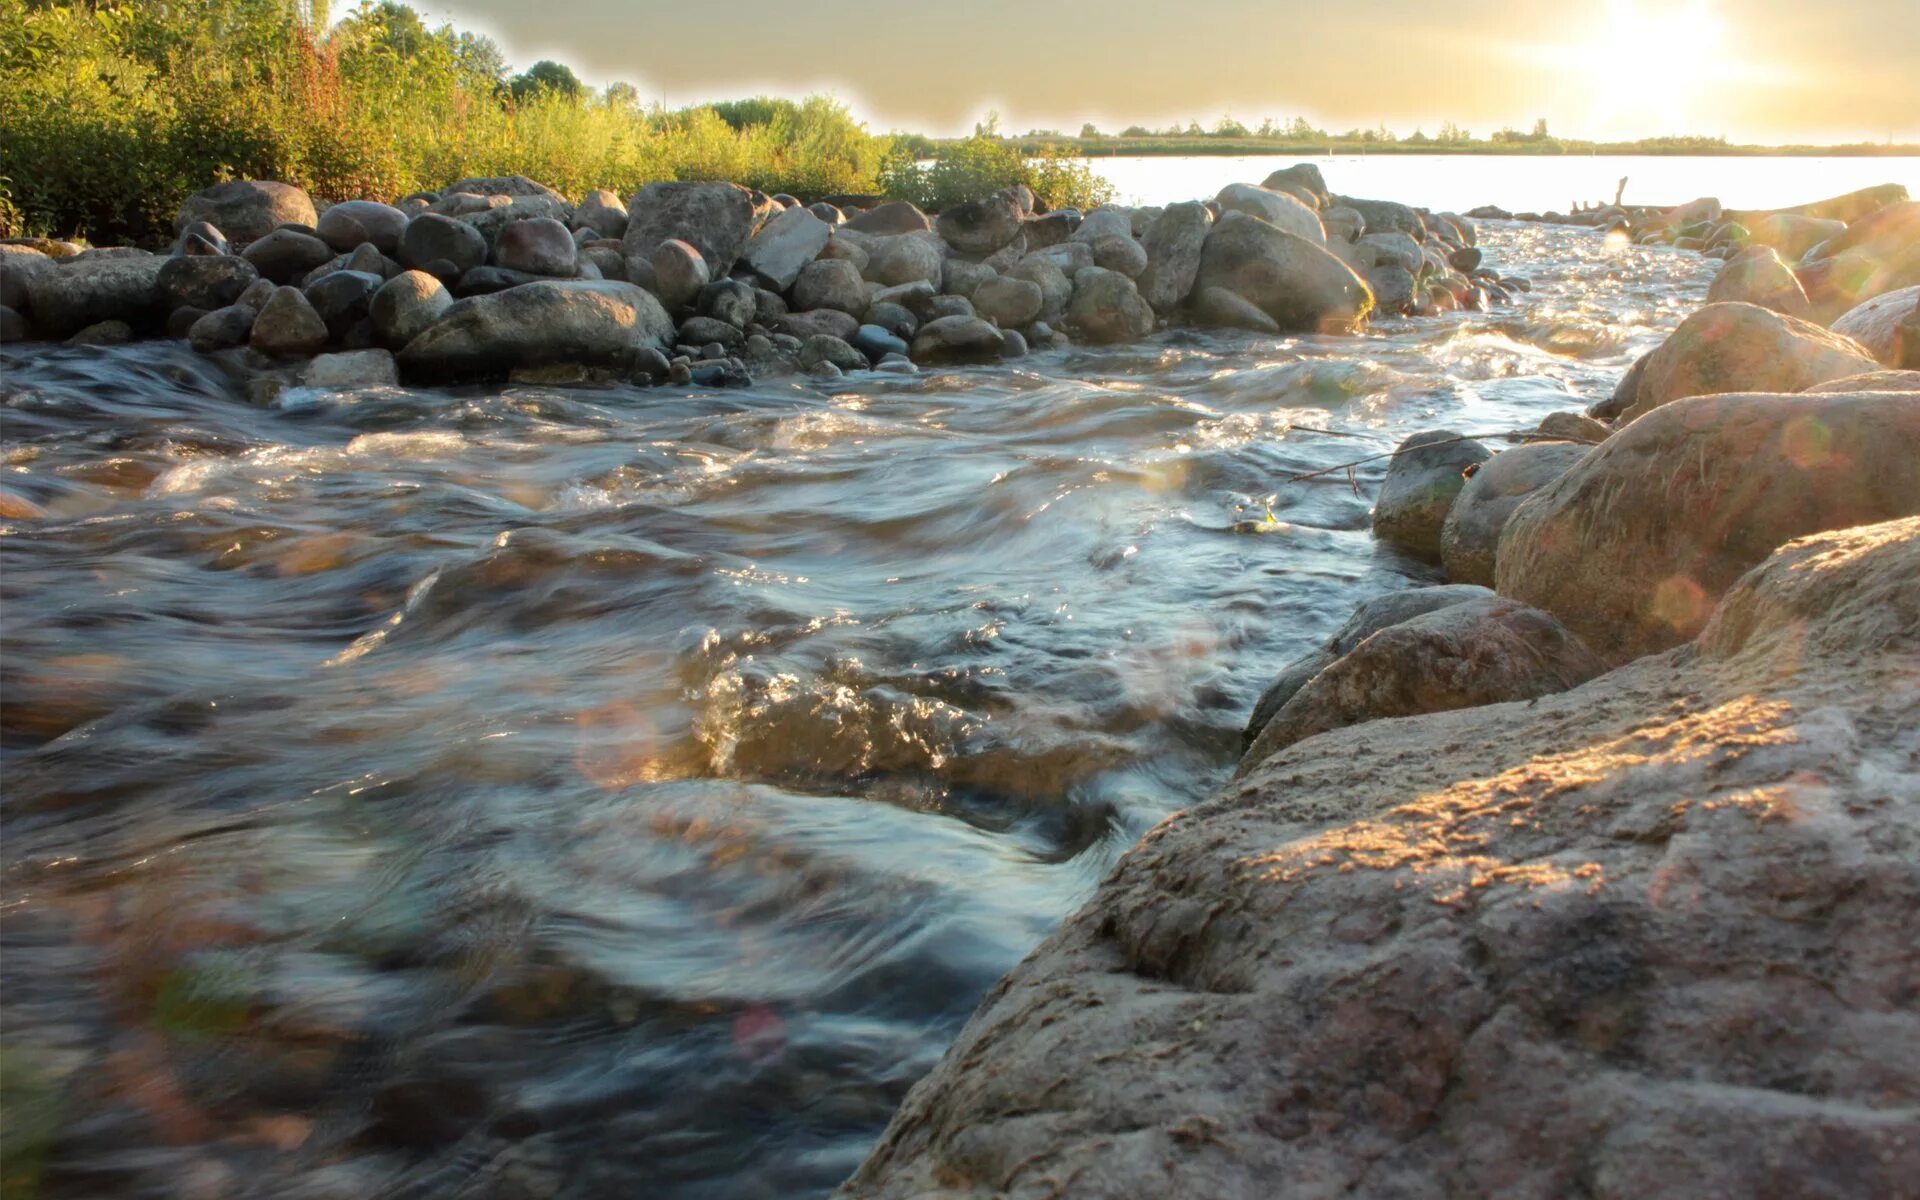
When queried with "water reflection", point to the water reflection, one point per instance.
{"points": [[536, 793]]}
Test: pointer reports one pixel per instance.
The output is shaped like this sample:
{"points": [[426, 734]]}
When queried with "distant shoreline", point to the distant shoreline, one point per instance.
{"points": [[1203, 147]]}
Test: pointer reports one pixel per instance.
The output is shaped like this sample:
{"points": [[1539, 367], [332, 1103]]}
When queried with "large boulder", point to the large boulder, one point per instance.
{"points": [[1876, 324], [678, 272], [1173, 242], [717, 219], [830, 283], [1756, 275], [1470, 537], [288, 326], [405, 305], [1489, 650], [1008, 302], [352, 223], [1107, 308], [204, 281], [1295, 282], [1649, 937], [1634, 545], [1738, 348], [1426, 475], [1279, 209], [904, 258], [589, 324], [442, 246], [1056, 290], [1369, 618], [246, 210], [785, 245], [979, 227], [287, 255], [86, 290], [956, 339], [539, 246], [18, 266]]}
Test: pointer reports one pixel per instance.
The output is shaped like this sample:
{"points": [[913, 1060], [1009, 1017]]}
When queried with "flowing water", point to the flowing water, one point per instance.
{"points": [[604, 794]]}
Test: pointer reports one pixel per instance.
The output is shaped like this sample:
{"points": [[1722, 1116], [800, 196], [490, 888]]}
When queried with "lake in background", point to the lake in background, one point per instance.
{"points": [[1458, 182]]}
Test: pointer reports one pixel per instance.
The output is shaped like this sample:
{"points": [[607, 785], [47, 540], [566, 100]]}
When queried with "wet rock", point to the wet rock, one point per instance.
{"points": [[83, 291], [1279, 209], [542, 246], [1634, 545], [956, 339], [1396, 249], [1172, 242], [246, 209], [1757, 276], [13, 326], [352, 368], [602, 211], [1724, 348], [785, 245], [1395, 292], [1368, 619], [1411, 960], [405, 305], [441, 246], [679, 273], [222, 329], [1424, 478], [830, 283], [288, 327], [205, 282], [594, 324], [1293, 281], [1470, 537], [1876, 324], [354, 223], [893, 217], [979, 226], [1013, 344], [103, 333], [876, 342], [1107, 308], [1216, 307], [904, 258], [1008, 303], [894, 318], [825, 348], [716, 219], [1488, 650]]}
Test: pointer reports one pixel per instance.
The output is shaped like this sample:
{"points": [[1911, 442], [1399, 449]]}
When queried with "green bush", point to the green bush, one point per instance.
{"points": [[982, 164]]}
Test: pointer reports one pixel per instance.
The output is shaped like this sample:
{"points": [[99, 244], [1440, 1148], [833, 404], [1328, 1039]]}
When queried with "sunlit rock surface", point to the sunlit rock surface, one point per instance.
{"points": [[1650, 937]]}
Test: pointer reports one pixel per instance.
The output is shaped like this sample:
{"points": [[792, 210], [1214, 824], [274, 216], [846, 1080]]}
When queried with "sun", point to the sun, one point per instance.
{"points": [[1648, 65]]}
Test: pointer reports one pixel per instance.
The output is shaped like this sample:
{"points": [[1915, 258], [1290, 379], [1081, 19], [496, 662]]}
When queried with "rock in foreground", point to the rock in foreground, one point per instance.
{"points": [[1650, 937]]}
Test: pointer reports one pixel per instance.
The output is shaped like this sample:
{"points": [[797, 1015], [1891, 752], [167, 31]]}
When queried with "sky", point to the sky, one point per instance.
{"points": [[1768, 71]]}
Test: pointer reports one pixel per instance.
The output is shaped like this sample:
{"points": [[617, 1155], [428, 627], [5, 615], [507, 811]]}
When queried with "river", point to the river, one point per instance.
{"points": [[523, 792]]}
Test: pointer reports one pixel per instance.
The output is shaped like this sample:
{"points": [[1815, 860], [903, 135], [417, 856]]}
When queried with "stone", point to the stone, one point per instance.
{"points": [[1069, 258], [353, 223], [1395, 292], [1008, 303], [1835, 285], [1470, 536], [287, 255], [83, 291], [180, 321], [1216, 307], [1279, 209], [1102, 223], [785, 245], [876, 342], [1294, 281], [893, 217], [1424, 478], [103, 333], [1172, 242], [853, 252], [510, 186], [1369, 618], [593, 324], [1757, 276], [827, 213], [830, 322], [246, 209], [1013, 344], [1487, 650], [1056, 290], [492, 222], [701, 331], [201, 238], [1876, 323], [484, 281], [679, 273], [18, 267], [1302, 180], [1792, 236], [435, 241], [1874, 381], [1574, 427], [831, 283], [287, 327], [602, 211], [222, 329], [1397, 249], [825, 348], [1634, 545], [1386, 216], [730, 300], [1120, 253], [608, 261], [1107, 308], [1343, 224], [541, 246], [903, 258], [1411, 960], [949, 306], [896, 319], [1734, 347], [1051, 229], [343, 299], [204, 281], [978, 226], [352, 368], [405, 305], [916, 297], [960, 277], [716, 219], [956, 339]]}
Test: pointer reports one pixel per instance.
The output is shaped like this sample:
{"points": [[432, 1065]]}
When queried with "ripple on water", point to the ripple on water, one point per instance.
{"points": [[530, 792]]}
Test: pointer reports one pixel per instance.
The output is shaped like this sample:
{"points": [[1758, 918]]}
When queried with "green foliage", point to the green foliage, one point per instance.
{"points": [[981, 165], [114, 111]]}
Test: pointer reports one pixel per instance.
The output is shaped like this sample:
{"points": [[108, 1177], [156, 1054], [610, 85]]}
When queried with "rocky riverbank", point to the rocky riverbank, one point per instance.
{"points": [[1587, 873], [504, 278]]}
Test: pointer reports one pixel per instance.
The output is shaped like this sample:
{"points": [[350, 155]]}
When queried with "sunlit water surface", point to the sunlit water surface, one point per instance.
{"points": [[609, 794]]}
